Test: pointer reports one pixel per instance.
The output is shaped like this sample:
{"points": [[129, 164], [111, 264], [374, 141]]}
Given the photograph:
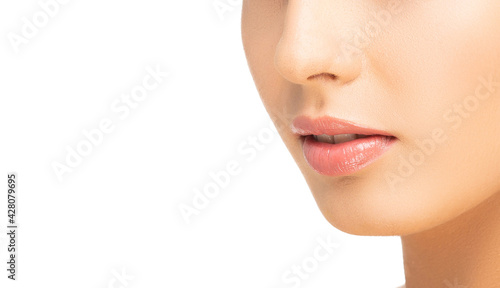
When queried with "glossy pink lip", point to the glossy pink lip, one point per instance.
{"points": [[344, 158]]}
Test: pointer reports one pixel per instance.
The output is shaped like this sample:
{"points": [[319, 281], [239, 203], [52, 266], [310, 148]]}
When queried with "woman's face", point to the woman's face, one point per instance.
{"points": [[426, 72]]}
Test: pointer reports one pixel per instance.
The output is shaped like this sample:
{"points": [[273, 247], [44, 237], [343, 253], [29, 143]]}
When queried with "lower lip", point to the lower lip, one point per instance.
{"points": [[344, 158]]}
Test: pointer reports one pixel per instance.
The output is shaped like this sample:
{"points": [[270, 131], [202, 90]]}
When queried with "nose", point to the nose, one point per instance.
{"points": [[312, 46]]}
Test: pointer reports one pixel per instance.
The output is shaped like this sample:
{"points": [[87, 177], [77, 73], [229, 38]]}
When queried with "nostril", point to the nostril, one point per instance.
{"points": [[323, 76]]}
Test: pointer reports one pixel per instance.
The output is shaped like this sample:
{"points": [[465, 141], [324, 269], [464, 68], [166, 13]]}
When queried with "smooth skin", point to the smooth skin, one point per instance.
{"points": [[430, 76]]}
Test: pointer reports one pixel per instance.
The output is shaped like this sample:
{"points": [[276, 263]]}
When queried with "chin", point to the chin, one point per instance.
{"points": [[363, 203]]}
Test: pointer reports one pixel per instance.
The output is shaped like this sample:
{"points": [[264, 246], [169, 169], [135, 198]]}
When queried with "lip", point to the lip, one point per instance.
{"points": [[344, 158]]}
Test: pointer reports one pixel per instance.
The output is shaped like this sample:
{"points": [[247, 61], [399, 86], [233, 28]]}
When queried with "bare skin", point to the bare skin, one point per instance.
{"points": [[425, 71], [463, 252]]}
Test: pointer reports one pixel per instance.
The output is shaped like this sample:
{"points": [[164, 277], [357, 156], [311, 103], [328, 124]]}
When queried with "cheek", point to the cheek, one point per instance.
{"points": [[444, 75], [433, 56], [262, 27]]}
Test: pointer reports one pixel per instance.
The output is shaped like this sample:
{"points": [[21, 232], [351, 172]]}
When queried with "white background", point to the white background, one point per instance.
{"points": [[117, 211]]}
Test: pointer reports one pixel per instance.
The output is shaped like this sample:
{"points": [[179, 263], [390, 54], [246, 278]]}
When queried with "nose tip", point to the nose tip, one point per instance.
{"points": [[311, 47]]}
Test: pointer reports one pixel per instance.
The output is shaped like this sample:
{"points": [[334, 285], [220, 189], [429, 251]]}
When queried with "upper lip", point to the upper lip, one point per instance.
{"points": [[304, 125]]}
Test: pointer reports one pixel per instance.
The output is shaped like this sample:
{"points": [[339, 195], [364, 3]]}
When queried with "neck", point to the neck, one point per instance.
{"points": [[462, 253]]}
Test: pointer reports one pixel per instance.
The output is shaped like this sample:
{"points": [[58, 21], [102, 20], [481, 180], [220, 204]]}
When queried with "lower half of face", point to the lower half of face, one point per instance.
{"points": [[424, 71]]}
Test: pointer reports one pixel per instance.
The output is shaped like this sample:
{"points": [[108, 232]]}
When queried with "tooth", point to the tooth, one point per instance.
{"points": [[326, 138], [341, 138]]}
